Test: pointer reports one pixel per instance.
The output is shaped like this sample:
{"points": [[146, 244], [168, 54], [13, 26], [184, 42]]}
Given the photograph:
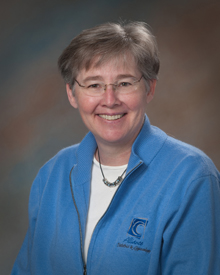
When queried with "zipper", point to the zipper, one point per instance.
{"points": [[80, 229]]}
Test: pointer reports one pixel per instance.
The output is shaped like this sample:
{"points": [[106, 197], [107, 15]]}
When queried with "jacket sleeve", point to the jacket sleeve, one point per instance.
{"points": [[22, 263], [191, 241]]}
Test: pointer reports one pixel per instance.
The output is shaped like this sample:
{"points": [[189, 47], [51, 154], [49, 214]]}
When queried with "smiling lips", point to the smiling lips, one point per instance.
{"points": [[114, 117]]}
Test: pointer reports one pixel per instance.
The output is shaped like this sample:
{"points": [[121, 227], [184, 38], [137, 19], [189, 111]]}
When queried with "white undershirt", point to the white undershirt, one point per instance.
{"points": [[100, 196]]}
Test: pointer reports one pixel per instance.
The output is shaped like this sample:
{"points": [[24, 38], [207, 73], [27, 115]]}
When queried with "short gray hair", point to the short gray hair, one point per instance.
{"points": [[107, 41]]}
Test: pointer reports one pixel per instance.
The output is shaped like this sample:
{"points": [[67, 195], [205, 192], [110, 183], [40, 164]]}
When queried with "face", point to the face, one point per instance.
{"points": [[114, 119]]}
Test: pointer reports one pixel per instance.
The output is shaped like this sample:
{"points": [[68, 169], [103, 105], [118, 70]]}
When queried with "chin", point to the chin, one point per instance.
{"points": [[114, 139]]}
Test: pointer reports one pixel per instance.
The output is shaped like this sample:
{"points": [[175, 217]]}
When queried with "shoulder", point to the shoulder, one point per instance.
{"points": [[53, 173], [62, 162], [68, 153], [166, 154], [65, 155], [188, 157]]}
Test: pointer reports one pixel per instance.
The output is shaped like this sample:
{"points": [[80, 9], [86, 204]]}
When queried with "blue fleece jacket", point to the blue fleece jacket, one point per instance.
{"points": [[163, 219]]}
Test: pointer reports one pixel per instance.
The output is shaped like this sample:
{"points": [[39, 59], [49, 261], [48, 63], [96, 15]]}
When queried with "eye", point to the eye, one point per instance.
{"points": [[124, 84], [94, 86]]}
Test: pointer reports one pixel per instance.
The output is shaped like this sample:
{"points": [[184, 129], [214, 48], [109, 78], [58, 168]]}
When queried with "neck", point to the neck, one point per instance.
{"points": [[113, 156]]}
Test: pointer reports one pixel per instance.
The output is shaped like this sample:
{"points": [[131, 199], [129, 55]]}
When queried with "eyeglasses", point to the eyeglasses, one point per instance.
{"points": [[124, 86]]}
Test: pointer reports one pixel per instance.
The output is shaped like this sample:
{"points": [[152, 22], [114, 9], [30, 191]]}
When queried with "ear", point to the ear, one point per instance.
{"points": [[71, 97], [150, 94]]}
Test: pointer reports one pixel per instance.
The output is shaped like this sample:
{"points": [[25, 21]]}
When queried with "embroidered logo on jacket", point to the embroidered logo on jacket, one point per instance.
{"points": [[136, 231], [137, 227]]}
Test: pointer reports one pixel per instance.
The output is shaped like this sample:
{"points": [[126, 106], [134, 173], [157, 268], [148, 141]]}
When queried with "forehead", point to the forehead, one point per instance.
{"points": [[122, 64]]}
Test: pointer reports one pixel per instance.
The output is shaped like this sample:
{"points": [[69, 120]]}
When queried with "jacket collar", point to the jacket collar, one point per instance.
{"points": [[84, 158], [146, 146]]}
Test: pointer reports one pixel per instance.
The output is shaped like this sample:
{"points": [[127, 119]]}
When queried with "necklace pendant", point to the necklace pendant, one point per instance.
{"points": [[106, 182], [118, 181], [113, 184]]}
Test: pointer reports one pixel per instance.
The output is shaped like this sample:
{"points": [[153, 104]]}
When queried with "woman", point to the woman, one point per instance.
{"points": [[128, 199]]}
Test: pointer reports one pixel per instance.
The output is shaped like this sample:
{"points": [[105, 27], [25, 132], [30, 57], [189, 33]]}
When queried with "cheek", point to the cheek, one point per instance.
{"points": [[86, 105], [136, 101]]}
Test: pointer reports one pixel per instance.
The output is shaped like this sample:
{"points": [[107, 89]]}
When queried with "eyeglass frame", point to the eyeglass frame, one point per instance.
{"points": [[105, 87]]}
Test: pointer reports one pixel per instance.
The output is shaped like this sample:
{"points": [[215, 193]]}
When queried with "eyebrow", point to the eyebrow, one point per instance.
{"points": [[99, 77], [125, 76]]}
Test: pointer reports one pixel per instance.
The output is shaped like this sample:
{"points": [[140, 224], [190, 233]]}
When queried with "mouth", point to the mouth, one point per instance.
{"points": [[113, 117]]}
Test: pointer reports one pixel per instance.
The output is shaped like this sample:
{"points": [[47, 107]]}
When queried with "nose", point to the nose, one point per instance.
{"points": [[110, 97]]}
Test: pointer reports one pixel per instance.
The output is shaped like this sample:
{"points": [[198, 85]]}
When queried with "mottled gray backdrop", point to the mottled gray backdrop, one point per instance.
{"points": [[36, 119]]}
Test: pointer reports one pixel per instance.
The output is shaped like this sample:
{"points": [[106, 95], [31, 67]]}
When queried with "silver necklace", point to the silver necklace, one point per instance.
{"points": [[106, 182]]}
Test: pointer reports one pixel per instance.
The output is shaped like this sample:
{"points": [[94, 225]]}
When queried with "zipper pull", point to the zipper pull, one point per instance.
{"points": [[84, 270]]}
